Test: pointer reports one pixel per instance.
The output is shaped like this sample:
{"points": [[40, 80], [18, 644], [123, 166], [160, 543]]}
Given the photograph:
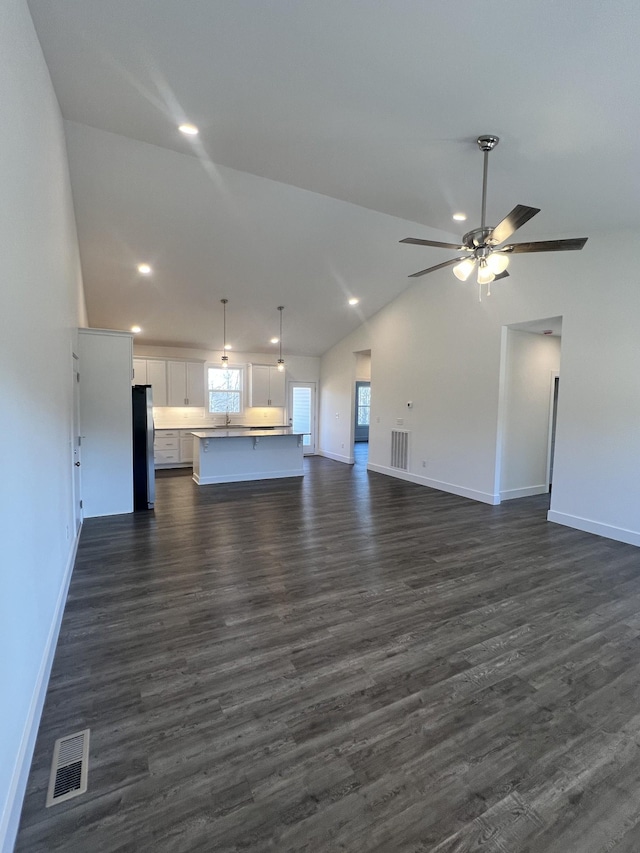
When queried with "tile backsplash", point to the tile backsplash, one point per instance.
{"points": [[192, 416]]}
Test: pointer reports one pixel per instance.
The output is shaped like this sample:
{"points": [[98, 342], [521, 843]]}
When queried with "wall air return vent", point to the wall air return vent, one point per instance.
{"points": [[400, 449]]}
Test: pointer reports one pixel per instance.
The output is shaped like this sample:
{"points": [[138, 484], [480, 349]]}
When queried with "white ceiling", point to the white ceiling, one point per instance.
{"points": [[328, 131]]}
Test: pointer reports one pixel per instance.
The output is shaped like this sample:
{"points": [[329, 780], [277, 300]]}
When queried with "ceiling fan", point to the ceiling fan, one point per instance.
{"points": [[482, 246]]}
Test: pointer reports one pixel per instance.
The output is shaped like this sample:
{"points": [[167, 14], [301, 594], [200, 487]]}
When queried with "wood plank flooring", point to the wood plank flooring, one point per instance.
{"points": [[345, 663]]}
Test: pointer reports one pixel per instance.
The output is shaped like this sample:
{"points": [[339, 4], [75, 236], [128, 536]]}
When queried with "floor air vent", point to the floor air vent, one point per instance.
{"points": [[400, 449], [69, 768]]}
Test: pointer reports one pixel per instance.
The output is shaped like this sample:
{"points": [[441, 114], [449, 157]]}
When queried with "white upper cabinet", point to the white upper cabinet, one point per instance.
{"points": [[185, 383], [267, 386], [157, 378], [152, 372], [139, 372]]}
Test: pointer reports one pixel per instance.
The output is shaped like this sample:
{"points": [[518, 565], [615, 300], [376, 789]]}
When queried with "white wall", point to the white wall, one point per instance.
{"points": [[438, 346], [298, 369], [42, 304], [363, 366], [531, 362]]}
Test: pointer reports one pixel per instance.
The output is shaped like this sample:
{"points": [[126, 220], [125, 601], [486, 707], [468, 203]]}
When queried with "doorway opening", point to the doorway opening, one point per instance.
{"points": [[362, 408], [529, 407]]}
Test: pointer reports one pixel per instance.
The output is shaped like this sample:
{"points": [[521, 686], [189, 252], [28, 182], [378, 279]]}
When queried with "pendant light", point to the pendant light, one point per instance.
{"points": [[225, 357], [280, 359]]}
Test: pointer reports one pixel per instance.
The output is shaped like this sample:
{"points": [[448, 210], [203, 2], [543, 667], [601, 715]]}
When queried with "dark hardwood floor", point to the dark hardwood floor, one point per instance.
{"points": [[349, 663]]}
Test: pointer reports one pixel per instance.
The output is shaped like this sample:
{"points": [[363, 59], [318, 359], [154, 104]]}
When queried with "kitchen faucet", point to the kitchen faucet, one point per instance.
{"points": [[227, 419]]}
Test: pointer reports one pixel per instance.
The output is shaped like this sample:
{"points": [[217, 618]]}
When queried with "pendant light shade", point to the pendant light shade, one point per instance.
{"points": [[463, 270], [485, 276], [225, 357], [497, 262], [280, 358]]}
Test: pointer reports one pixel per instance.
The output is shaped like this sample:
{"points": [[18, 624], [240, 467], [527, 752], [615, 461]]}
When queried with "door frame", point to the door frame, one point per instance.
{"points": [[310, 449], [555, 375]]}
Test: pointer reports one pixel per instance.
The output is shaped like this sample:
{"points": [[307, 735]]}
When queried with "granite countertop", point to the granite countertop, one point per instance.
{"points": [[242, 433]]}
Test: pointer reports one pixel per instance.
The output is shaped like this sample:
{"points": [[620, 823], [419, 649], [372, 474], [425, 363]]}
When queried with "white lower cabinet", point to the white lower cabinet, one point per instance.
{"points": [[173, 448], [186, 446]]}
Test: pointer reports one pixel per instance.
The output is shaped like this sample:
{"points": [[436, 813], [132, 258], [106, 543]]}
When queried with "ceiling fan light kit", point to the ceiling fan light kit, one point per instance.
{"points": [[485, 254]]}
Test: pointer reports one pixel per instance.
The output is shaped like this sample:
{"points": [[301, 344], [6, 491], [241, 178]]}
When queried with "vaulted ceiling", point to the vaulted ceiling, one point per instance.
{"points": [[328, 131]]}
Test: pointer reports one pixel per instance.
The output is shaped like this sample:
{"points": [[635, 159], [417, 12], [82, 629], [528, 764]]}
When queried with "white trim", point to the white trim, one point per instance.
{"points": [[609, 531], [243, 478], [337, 457], [525, 492], [10, 818], [462, 491]]}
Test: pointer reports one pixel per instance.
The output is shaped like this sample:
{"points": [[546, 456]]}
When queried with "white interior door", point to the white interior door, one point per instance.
{"points": [[302, 413], [76, 441]]}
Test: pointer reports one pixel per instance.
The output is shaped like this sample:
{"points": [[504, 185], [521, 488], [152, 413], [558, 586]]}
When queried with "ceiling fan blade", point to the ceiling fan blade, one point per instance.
{"points": [[512, 221], [435, 243], [546, 246], [439, 266], [500, 275]]}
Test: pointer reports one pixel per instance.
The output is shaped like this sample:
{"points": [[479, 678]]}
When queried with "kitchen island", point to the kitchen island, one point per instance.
{"points": [[236, 455]]}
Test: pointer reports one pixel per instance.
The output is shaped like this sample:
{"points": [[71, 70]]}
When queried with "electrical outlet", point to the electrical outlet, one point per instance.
{"points": [[424, 463], [342, 445], [337, 415]]}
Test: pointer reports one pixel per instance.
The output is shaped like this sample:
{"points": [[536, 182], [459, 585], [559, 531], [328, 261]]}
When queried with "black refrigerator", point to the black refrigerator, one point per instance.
{"points": [[144, 474]]}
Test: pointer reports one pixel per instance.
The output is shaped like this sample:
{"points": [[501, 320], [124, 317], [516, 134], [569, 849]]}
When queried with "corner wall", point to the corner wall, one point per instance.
{"points": [[43, 304]]}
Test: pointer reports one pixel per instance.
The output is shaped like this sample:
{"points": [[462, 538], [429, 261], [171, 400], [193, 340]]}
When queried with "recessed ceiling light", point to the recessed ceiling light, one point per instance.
{"points": [[144, 269], [188, 129], [227, 346], [459, 217], [353, 301], [275, 340], [136, 329]]}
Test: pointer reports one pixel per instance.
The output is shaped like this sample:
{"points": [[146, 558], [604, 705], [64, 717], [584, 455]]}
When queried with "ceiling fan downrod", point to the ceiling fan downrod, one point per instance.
{"points": [[486, 143]]}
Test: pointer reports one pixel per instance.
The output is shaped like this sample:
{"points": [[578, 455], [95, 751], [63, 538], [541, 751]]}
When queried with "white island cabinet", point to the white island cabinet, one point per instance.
{"points": [[232, 456]]}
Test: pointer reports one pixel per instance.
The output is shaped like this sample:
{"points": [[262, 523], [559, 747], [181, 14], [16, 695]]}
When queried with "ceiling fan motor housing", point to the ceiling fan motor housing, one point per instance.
{"points": [[476, 238]]}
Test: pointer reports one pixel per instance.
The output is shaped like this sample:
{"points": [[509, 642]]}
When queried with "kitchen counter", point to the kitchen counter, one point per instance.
{"points": [[235, 432], [236, 455], [206, 426]]}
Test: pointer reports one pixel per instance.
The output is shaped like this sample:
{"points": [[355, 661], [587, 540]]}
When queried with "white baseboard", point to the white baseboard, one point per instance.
{"points": [[10, 819], [462, 491], [526, 492], [243, 478], [337, 457], [620, 534]]}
